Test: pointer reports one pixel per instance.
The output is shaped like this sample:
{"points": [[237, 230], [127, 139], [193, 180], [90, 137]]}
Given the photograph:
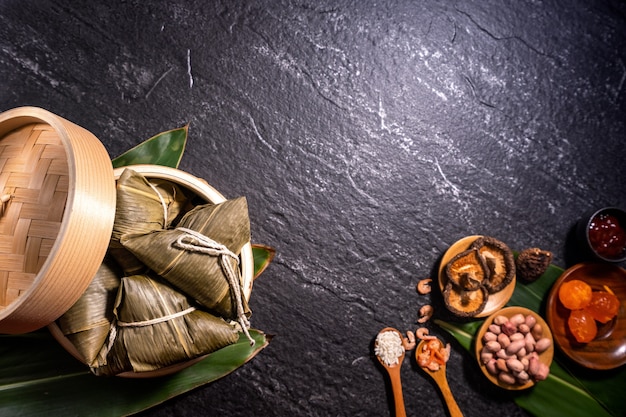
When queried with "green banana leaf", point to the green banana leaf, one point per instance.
{"points": [[262, 256], [38, 377], [164, 149], [583, 393]]}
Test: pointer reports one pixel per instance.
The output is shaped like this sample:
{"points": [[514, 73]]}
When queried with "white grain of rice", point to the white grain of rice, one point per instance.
{"points": [[389, 347]]}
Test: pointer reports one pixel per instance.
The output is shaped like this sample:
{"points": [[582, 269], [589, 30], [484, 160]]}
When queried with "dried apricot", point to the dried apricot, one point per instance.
{"points": [[582, 325], [575, 294], [603, 306]]}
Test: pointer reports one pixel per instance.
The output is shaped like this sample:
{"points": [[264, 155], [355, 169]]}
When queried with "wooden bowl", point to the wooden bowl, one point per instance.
{"points": [[608, 349], [496, 300], [58, 181], [545, 357], [205, 192]]}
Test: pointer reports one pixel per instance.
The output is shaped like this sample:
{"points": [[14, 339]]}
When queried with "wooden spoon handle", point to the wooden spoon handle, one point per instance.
{"points": [[396, 388], [453, 407]]}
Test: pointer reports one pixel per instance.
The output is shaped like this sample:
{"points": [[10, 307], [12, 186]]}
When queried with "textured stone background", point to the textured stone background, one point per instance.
{"points": [[367, 136]]}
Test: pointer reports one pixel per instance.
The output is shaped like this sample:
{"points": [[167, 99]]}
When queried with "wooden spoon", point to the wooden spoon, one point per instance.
{"points": [[394, 375], [440, 378]]}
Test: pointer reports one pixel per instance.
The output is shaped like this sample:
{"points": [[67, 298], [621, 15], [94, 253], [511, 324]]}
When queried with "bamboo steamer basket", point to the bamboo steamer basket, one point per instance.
{"points": [[83, 220], [57, 213]]}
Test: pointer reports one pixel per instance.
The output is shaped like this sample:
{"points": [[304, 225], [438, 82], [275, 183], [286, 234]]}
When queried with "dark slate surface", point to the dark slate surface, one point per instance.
{"points": [[367, 136]]}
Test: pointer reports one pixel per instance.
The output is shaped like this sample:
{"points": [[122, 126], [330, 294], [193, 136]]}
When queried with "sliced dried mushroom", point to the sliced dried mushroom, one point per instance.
{"points": [[531, 263], [467, 270], [499, 260], [465, 303]]}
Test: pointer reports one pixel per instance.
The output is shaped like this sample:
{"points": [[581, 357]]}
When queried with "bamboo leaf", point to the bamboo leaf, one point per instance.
{"points": [[263, 255], [164, 149], [464, 333], [37, 378], [587, 393]]}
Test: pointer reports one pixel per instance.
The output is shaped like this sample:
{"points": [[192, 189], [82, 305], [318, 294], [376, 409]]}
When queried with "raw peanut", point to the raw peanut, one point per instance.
{"points": [[516, 336], [533, 364], [530, 321], [523, 328], [502, 354], [537, 331], [493, 346], [529, 342], [509, 328], [522, 377], [542, 373], [524, 362], [486, 356], [542, 344], [514, 347], [521, 353], [491, 367], [501, 365], [506, 377], [495, 329], [504, 340], [488, 336], [514, 365], [500, 320], [518, 319]]}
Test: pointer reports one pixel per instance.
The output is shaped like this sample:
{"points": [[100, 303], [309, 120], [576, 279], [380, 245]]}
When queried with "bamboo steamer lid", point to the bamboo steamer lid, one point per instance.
{"points": [[58, 192]]}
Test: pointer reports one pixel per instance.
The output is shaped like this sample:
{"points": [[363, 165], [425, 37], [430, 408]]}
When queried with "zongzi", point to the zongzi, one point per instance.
{"points": [[86, 324], [157, 326], [200, 256]]}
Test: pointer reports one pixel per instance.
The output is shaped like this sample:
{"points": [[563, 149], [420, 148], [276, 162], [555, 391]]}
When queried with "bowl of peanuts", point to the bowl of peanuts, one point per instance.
{"points": [[514, 348]]}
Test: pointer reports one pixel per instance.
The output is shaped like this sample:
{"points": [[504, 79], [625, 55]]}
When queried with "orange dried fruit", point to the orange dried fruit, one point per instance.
{"points": [[575, 294], [582, 325], [603, 306]]}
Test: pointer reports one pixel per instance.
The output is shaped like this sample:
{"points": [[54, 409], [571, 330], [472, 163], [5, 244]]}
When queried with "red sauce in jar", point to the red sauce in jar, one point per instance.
{"points": [[607, 236]]}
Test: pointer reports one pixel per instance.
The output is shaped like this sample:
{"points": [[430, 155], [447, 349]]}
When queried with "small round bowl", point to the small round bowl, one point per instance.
{"points": [[608, 349], [602, 234], [545, 357]]}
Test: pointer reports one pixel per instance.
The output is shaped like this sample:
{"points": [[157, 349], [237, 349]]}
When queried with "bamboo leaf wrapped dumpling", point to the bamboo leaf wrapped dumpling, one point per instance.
{"points": [[87, 323], [156, 326], [142, 207], [200, 256]]}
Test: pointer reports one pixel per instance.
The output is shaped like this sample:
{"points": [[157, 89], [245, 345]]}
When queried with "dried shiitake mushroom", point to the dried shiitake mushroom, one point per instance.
{"points": [[531, 263], [465, 303], [467, 270], [499, 260]]}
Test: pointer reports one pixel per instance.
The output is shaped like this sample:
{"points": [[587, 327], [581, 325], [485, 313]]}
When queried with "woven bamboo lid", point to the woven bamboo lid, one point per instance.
{"points": [[58, 206]]}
